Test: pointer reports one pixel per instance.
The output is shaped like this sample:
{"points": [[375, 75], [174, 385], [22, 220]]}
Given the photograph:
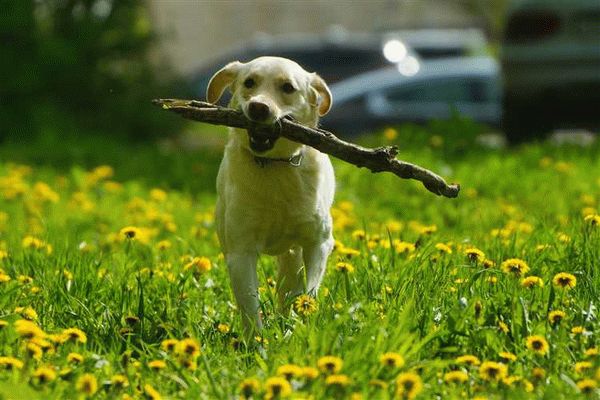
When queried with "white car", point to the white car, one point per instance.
{"points": [[417, 91], [550, 60]]}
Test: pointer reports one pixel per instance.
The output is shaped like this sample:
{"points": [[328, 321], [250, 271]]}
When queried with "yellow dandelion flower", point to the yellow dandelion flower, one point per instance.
{"points": [[359, 234], [503, 327], [582, 366], [27, 313], [198, 265], [119, 381], [188, 347], [408, 385], [379, 384], [507, 356], [392, 360], [514, 266], [74, 335], [456, 377], [390, 134], [591, 352], [578, 330], [151, 393], [3, 324], [467, 359], [28, 329], [130, 232], [538, 373], [75, 358], [587, 386], [44, 375], [532, 281], [474, 254], [344, 267], [348, 252], [443, 248], [564, 280], [10, 363], [34, 351], [87, 384], [305, 305], [487, 264], [592, 219], [223, 328], [157, 365], [330, 364], [310, 373], [249, 387], [537, 344], [277, 387], [556, 316], [169, 345], [340, 380], [492, 371], [289, 371]]}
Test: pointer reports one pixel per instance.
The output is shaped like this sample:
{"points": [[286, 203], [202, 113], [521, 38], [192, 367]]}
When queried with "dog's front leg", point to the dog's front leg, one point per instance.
{"points": [[244, 282], [315, 259]]}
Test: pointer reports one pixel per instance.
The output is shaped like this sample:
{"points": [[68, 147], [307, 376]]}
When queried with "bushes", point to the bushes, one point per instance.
{"points": [[80, 66]]}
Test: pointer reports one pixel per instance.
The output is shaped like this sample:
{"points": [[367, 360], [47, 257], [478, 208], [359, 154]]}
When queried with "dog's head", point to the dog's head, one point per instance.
{"points": [[267, 89]]}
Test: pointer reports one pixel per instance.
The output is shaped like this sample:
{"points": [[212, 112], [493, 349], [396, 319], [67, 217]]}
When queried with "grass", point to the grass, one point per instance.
{"points": [[127, 255]]}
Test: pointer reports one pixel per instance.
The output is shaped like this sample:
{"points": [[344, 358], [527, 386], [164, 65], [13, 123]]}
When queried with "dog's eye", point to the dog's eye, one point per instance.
{"points": [[249, 83], [288, 88]]}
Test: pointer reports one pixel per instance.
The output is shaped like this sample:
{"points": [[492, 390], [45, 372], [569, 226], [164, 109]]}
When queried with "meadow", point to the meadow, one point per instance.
{"points": [[113, 286]]}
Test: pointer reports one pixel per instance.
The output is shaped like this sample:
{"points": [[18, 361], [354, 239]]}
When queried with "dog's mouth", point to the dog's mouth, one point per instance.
{"points": [[259, 143]]}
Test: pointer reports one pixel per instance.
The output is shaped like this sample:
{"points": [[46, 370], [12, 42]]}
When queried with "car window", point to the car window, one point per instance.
{"points": [[440, 90]]}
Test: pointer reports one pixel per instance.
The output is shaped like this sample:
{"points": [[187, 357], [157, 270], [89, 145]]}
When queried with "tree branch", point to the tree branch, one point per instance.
{"points": [[379, 159]]}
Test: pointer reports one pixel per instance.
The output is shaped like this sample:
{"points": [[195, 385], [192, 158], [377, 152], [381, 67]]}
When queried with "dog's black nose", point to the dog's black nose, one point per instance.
{"points": [[258, 111]]}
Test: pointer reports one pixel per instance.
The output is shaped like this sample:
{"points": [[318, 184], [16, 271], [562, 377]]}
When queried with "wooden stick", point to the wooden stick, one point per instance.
{"points": [[379, 159]]}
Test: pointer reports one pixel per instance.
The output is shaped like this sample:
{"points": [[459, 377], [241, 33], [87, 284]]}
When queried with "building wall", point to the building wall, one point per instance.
{"points": [[195, 31]]}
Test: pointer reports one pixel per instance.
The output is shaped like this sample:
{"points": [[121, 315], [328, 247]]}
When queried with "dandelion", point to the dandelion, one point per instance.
{"points": [[223, 328], [289, 371], [169, 345], [249, 387], [10, 363], [188, 364], [188, 347], [310, 373], [514, 266], [378, 383], [73, 334], [3, 324], [556, 316], [277, 387], [592, 219], [537, 344], [87, 384], [157, 365], [492, 371], [587, 386], [27, 313], [305, 305], [132, 320], [582, 366], [330, 364], [390, 134], [456, 377], [408, 385], [34, 351], [507, 356], [130, 232], [564, 280], [119, 381], [44, 375], [467, 359], [75, 358], [344, 267], [538, 373], [591, 352], [198, 265], [532, 281], [164, 245], [28, 329], [339, 380], [503, 327], [151, 393], [578, 330], [443, 248], [392, 360], [474, 254]]}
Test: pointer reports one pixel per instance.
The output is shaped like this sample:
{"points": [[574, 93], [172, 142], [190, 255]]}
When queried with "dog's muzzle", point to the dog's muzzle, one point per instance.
{"points": [[261, 141]]}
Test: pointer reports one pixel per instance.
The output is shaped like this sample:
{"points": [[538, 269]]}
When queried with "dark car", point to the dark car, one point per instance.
{"points": [[340, 54], [550, 60], [417, 91]]}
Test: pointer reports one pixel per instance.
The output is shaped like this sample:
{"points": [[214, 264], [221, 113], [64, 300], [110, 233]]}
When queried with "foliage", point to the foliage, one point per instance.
{"points": [[434, 297], [79, 65]]}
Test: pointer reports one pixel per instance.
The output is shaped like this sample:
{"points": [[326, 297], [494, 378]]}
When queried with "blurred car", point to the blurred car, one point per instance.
{"points": [[550, 60], [340, 54], [417, 91]]}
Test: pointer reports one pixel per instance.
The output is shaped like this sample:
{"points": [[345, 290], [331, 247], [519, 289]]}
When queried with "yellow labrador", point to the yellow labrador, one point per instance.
{"points": [[274, 195]]}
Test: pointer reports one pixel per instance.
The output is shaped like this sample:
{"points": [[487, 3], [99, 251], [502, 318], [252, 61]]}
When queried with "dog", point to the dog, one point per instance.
{"points": [[273, 195]]}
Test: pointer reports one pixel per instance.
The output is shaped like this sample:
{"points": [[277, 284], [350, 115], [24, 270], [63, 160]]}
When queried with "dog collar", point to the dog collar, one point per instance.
{"points": [[294, 161]]}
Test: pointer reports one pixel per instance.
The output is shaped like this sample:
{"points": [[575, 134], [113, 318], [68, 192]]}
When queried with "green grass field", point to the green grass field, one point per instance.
{"points": [[112, 284]]}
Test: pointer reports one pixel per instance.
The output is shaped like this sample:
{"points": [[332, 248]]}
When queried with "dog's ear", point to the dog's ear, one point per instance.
{"points": [[221, 80], [320, 94]]}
